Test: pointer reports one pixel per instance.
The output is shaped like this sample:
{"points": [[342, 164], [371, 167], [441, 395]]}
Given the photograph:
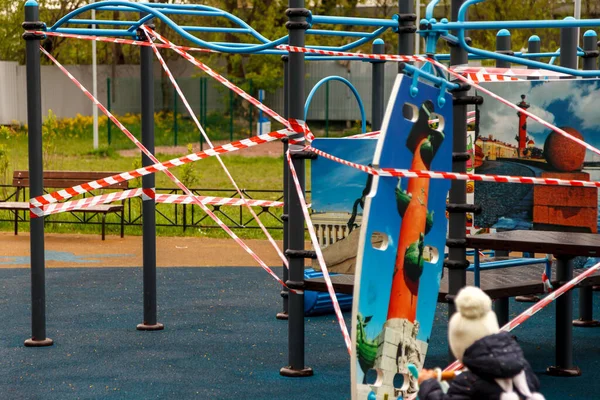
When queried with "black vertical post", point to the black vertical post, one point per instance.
{"points": [[296, 26], [378, 98], [286, 178], [503, 46], [457, 257], [36, 176], [586, 298], [534, 45], [148, 184], [564, 266], [406, 29]]}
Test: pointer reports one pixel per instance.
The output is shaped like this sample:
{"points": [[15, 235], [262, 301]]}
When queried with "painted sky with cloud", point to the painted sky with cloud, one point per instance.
{"points": [[573, 103]]}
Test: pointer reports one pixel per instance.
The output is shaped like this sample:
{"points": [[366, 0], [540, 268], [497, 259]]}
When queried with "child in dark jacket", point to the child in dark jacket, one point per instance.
{"points": [[496, 366]]}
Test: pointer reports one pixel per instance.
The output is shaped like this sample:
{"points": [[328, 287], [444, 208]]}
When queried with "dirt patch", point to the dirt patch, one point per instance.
{"points": [[271, 149], [66, 251]]}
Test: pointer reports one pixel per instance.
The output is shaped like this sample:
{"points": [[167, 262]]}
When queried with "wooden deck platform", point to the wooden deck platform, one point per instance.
{"points": [[497, 283]]}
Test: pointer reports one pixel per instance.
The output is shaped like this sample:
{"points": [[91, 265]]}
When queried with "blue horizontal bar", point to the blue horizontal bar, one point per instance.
{"points": [[324, 32], [575, 23], [191, 12], [96, 32], [508, 263], [322, 19], [101, 22], [100, 7], [215, 29]]}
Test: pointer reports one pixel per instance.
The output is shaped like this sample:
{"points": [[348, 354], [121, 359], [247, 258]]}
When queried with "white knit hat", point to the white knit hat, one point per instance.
{"points": [[473, 321]]}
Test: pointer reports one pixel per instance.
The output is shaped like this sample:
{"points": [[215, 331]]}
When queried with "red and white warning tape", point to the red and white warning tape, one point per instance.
{"points": [[36, 203], [512, 72], [531, 311], [407, 173], [481, 77], [282, 257], [118, 41], [216, 201], [296, 125], [58, 208], [126, 176], [317, 247]]}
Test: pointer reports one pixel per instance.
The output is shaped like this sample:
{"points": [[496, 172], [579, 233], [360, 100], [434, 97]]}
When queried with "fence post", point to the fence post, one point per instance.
{"points": [[231, 115], [148, 184], [250, 109], [201, 116], [175, 125], [36, 177], [108, 101], [327, 109]]}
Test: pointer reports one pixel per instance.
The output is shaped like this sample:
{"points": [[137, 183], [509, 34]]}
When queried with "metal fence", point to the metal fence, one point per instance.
{"points": [[177, 216]]}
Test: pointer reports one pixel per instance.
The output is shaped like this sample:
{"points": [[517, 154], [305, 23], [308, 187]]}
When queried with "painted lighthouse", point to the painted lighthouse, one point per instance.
{"points": [[521, 137], [397, 342]]}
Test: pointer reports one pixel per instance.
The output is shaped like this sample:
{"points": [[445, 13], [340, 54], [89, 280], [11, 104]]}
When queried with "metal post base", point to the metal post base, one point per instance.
{"points": [[580, 323], [282, 316], [527, 299], [39, 343], [156, 327], [296, 373], [563, 372]]}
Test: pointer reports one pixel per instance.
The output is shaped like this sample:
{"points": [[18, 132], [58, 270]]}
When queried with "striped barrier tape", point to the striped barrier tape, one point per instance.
{"points": [[296, 125], [475, 73], [215, 201], [126, 176], [317, 247], [58, 208], [512, 72], [191, 112], [531, 311], [118, 41], [407, 173], [481, 77], [35, 203]]}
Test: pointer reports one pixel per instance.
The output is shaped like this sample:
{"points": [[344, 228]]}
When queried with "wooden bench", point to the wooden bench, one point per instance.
{"points": [[65, 180]]}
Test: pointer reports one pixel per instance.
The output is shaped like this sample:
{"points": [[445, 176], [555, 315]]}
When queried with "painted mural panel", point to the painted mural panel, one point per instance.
{"points": [[510, 143]]}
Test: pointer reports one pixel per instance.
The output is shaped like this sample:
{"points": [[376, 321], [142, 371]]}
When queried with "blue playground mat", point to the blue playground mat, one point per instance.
{"points": [[221, 340]]}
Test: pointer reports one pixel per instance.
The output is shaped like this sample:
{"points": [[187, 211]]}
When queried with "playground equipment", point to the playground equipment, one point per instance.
{"points": [[443, 86]]}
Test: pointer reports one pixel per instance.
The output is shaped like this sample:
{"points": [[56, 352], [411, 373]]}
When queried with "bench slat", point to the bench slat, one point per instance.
{"points": [[66, 179]]}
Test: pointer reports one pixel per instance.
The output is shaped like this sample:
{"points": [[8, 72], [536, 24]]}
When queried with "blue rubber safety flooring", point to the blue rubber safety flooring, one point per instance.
{"points": [[221, 340]]}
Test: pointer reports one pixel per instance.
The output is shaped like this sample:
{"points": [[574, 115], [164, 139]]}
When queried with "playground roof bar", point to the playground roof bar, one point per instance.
{"points": [[321, 19]]}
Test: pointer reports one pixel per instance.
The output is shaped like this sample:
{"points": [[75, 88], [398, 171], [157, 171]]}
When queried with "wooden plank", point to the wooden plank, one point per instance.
{"points": [[14, 205], [514, 281], [67, 179], [341, 283], [557, 243]]}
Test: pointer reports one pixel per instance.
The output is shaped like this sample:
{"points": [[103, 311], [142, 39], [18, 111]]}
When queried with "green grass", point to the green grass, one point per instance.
{"points": [[68, 146]]}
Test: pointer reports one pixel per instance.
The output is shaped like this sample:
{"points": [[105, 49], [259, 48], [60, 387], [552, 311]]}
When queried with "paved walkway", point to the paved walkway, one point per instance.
{"points": [[89, 251]]}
